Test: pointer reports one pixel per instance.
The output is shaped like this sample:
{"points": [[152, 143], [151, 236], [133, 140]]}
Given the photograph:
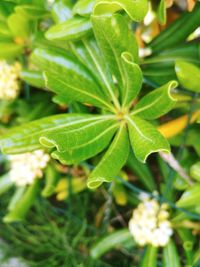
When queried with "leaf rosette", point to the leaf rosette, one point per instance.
{"points": [[104, 73]]}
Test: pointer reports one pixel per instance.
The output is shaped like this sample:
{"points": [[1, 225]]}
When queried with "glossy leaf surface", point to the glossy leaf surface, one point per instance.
{"points": [[113, 160], [145, 139]]}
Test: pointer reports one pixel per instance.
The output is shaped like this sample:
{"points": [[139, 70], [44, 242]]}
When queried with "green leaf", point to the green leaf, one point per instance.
{"points": [[72, 29], [51, 180], [19, 25], [87, 150], [188, 75], [195, 171], [114, 37], [190, 197], [5, 183], [26, 137], [65, 75], [113, 160], [21, 208], [145, 139], [132, 77], [150, 257], [34, 78], [135, 9], [156, 103], [92, 55], [62, 10], [170, 255], [172, 35], [111, 241], [10, 50], [161, 12], [83, 7], [76, 133], [31, 12]]}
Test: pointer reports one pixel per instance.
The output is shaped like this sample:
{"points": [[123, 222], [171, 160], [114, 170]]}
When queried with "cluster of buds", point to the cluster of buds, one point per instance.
{"points": [[9, 76], [149, 223], [25, 168]]}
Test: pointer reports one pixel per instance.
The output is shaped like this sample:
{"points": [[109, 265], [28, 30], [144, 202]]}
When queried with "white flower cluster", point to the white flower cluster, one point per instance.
{"points": [[149, 223], [9, 84], [25, 168]]}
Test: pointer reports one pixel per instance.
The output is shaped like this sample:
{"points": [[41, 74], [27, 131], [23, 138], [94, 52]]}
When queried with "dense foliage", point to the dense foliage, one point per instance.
{"points": [[99, 113]]}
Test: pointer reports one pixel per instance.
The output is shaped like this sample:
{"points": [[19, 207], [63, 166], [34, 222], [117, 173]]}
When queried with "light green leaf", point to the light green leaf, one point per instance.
{"points": [[19, 25], [170, 255], [145, 139], [190, 197], [98, 67], [72, 29], [150, 257], [5, 183], [161, 12], [111, 241], [87, 150], [136, 9], [34, 78], [26, 137], [62, 10], [114, 37], [156, 103], [83, 7], [132, 79], [188, 75], [9, 50], [21, 208], [195, 171], [31, 12], [76, 133], [113, 160], [67, 76]]}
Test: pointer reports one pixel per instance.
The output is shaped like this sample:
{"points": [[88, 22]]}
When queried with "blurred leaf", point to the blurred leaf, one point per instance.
{"points": [[142, 171], [72, 29], [195, 171], [170, 255], [5, 183], [62, 10], [83, 7], [188, 75], [111, 241], [190, 197], [135, 9], [10, 50], [21, 208], [19, 26], [34, 78], [172, 35], [150, 257]]}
